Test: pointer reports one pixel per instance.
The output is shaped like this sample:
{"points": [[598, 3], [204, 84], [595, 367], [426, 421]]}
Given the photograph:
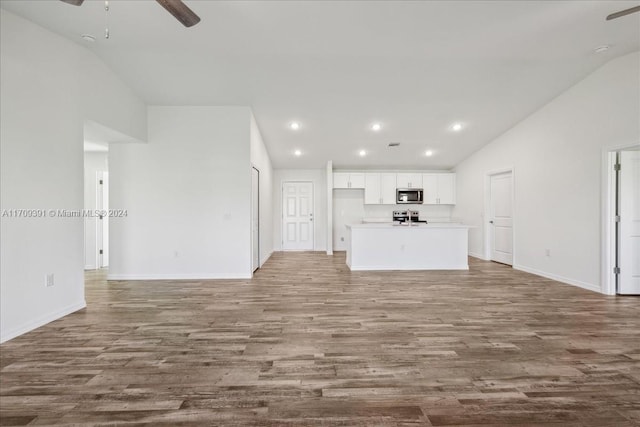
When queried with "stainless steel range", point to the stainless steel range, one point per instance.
{"points": [[407, 216]]}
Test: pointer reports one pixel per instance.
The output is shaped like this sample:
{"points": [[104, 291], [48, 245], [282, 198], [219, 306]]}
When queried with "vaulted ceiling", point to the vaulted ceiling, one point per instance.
{"points": [[337, 67]]}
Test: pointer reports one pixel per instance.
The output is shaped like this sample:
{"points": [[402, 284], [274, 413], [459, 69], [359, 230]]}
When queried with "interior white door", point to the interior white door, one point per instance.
{"points": [[255, 218], [501, 218], [102, 222], [297, 216], [629, 226], [105, 220]]}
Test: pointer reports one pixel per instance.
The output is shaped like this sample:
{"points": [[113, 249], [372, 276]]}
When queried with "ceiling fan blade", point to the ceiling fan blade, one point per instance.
{"points": [[73, 2], [623, 13], [180, 11]]}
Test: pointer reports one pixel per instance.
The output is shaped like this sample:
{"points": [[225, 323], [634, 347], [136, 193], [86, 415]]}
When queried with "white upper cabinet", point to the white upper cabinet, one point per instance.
{"points": [[348, 180], [356, 180], [372, 189], [430, 187], [409, 180], [388, 188], [447, 188], [439, 188], [379, 188]]}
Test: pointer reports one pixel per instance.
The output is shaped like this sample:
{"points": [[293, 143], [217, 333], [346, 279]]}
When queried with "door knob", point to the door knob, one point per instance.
{"points": [[490, 222]]}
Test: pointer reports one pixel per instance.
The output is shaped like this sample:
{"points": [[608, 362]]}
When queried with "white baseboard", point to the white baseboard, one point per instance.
{"points": [[477, 255], [41, 321], [266, 258], [203, 276], [408, 268], [90, 267], [578, 283]]}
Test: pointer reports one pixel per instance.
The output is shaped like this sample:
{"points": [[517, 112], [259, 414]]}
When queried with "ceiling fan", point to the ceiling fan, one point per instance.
{"points": [[175, 7], [623, 13]]}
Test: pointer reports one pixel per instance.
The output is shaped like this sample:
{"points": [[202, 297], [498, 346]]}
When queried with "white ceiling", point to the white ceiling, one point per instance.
{"points": [[338, 66]]}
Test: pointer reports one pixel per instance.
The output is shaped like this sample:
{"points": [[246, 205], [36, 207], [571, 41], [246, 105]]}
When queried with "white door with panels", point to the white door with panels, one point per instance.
{"points": [[501, 218], [297, 216], [629, 224]]}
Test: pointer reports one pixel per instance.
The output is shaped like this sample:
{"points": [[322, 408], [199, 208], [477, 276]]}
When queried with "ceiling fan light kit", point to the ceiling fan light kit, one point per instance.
{"points": [[177, 8], [623, 13]]}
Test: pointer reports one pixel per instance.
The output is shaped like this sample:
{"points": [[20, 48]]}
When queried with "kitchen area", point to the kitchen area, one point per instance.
{"points": [[398, 220]]}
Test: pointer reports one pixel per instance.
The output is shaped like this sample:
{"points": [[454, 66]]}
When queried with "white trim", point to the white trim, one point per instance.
{"points": [[251, 219], [266, 258], [203, 276], [477, 255], [42, 320], [584, 285], [409, 268], [90, 267], [330, 207], [487, 211], [607, 250]]}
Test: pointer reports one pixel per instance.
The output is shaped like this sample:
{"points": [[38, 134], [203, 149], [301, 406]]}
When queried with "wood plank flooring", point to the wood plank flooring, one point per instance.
{"points": [[308, 343]]}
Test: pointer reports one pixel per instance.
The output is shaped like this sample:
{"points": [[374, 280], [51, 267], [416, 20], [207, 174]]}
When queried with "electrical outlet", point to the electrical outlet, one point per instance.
{"points": [[48, 280], [547, 252]]}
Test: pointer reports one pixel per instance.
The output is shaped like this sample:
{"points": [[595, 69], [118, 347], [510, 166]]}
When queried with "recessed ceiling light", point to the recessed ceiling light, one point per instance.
{"points": [[362, 153], [294, 125], [456, 127], [376, 127], [601, 49], [428, 153], [297, 153], [88, 38]]}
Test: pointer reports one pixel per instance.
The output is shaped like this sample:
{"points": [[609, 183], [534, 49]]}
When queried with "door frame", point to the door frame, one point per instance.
{"points": [[102, 241], [313, 210], [253, 267], [608, 209], [487, 212]]}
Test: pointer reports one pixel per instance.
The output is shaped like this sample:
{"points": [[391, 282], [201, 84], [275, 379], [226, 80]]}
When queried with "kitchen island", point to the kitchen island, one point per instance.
{"points": [[441, 246]]}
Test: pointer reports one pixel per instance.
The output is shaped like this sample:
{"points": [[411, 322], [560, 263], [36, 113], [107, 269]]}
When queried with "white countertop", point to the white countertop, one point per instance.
{"points": [[414, 225]]}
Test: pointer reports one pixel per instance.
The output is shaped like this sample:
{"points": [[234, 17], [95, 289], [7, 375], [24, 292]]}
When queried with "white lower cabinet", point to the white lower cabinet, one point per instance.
{"points": [[439, 188], [379, 188]]}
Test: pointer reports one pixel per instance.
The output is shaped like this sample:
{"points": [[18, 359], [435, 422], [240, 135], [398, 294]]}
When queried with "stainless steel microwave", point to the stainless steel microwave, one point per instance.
{"points": [[409, 195]]}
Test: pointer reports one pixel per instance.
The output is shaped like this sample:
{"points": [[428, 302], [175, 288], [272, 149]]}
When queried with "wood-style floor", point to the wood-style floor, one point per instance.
{"points": [[308, 343]]}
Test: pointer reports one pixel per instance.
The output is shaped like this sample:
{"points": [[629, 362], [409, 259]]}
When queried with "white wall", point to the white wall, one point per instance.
{"points": [[49, 87], [261, 161], [188, 196], [319, 179], [557, 156], [94, 162]]}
